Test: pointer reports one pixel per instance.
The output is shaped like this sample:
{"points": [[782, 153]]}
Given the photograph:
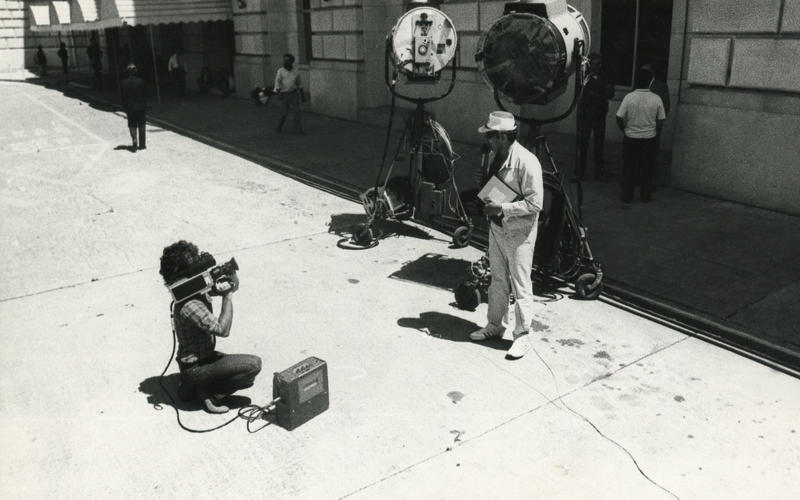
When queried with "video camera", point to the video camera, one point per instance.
{"points": [[203, 277]]}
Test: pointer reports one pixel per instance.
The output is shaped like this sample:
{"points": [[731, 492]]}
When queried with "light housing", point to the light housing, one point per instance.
{"points": [[526, 55]]}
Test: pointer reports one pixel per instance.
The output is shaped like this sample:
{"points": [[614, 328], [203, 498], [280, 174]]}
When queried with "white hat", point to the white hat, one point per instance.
{"points": [[499, 121]]}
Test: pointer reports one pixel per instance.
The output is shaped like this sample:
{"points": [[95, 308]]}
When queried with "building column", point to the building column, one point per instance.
{"points": [[251, 61]]}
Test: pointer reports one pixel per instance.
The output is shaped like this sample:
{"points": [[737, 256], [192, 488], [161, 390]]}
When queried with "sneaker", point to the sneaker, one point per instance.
{"points": [[212, 404], [487, 332], [520, 347]]}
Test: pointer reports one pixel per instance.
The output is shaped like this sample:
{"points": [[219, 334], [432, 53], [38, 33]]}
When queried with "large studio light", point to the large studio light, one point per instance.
{"points": [[527, 54], [423, 42]]}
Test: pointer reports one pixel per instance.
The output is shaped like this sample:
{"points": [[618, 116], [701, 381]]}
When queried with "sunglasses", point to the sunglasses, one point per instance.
{"points": [[492, 134]]}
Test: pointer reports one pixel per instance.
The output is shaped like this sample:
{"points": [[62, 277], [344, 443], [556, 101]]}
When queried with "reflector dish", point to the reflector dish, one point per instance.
{"points": [[527, 56], [521, 56]]}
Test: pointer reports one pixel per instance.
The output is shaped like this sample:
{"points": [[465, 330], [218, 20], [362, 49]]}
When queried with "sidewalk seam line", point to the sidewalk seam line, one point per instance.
{"points": [[129, 273]]}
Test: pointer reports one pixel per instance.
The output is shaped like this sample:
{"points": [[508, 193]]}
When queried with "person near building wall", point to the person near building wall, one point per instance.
{"points": [[96, 61], [289, 90], [64, 56], [640, 116], [592, 111], [177, 70], [41, 60]]}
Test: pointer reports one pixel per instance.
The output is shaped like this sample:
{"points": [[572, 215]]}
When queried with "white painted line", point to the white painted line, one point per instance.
{"points": [[67, 119]]}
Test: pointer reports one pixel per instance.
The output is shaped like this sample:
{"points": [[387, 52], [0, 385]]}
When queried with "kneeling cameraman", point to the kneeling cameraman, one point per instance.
{"points": [[210, 374]]}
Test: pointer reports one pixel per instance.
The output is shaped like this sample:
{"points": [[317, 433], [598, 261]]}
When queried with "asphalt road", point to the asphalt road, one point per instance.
{"points": [[609, 405]]}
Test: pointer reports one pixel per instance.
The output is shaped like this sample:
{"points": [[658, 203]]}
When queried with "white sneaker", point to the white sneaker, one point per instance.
{"points": [[520, 347], [487, 332]]}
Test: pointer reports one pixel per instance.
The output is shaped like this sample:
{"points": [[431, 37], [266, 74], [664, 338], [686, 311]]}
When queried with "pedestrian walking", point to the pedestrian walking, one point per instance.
{"points": [[96, 61], [41, 60], [177, 70], [134, 103], [640, 116], [512, 231], [290, 92], [64, 56], [592, 111]]}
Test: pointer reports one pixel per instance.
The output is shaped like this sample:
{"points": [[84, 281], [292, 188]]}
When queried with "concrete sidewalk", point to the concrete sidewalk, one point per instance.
{"points": [[609, 405], [730, 270]]}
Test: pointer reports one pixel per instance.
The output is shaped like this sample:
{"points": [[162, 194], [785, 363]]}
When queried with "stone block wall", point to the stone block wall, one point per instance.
{"points": [[742, 44], [12, 41], [740, 103], [252, 58], [336, 70], [18, 43]]}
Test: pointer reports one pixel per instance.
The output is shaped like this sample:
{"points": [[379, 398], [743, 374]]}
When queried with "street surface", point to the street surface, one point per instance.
{"points": [[609, 405]]}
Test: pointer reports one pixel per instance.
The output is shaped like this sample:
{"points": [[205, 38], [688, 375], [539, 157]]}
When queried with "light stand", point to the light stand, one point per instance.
{"points": [[422, 43]]}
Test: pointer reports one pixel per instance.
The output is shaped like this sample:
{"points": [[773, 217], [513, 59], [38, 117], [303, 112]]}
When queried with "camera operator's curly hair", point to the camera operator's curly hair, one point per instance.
{"points": [[176, 259]]}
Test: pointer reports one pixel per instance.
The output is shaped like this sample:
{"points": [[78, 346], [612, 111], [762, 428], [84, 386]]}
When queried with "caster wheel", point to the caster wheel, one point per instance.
{"points": [[461, 236], [362, 235], [468, 296], [582, 285]]}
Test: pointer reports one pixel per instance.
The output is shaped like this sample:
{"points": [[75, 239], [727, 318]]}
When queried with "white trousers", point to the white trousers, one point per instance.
{"points": [[511, 258]]}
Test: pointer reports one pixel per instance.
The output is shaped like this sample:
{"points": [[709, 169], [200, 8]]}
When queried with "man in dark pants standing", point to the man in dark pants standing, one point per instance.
{"points": [[177, 69], [41, 60], [134, 103], [640, 116], [289, 91], [96, 61], [592, 111], [64, 56]]}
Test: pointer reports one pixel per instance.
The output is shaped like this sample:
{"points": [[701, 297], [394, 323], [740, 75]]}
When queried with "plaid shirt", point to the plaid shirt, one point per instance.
{"points": [[196, 328]]}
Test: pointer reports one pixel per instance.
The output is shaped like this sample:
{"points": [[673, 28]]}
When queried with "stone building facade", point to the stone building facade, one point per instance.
{"points": [[732, 67]]}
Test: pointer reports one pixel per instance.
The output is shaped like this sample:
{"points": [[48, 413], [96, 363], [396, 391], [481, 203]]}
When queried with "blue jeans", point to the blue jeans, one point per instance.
{"points": [[222, 374]]}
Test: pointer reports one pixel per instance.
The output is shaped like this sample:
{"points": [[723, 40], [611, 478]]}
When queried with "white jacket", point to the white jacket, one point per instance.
{"points": [[522, 172]]}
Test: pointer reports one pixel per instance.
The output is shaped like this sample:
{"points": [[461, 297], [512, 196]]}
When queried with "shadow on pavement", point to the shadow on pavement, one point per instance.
{"points": [[447, 327], [343, 224], [434, 270], [158, 398]]}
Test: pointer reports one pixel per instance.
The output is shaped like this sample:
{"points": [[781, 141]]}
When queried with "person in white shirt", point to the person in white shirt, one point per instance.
{"points": [[640, 116], [289, 91], [512, 232], [177, 69]]}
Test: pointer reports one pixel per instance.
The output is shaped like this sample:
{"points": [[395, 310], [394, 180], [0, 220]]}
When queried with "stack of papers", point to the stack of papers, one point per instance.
{"points": [[497, 191]]}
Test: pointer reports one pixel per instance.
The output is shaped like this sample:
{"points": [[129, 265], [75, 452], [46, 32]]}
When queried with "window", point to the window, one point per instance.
{"points": [[634, 33]]}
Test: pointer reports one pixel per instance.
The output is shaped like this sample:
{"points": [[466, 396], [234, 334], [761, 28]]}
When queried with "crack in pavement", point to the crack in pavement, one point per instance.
{"points": [[538, 407], [109, 209], [592, 424]]}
